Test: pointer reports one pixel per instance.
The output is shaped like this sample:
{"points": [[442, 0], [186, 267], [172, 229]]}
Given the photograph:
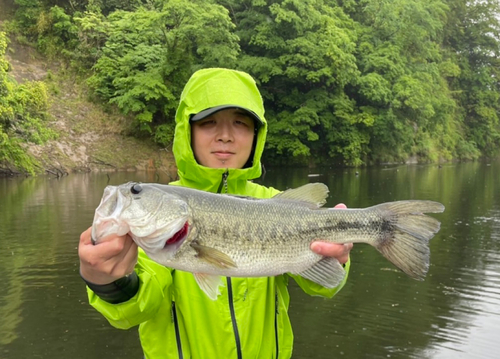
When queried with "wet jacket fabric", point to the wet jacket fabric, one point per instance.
{"points": [[176, 319]]}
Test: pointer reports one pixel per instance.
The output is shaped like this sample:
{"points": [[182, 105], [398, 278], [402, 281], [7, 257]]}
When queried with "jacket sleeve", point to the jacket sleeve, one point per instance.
{"points": [[315, 289], [154, 285]]}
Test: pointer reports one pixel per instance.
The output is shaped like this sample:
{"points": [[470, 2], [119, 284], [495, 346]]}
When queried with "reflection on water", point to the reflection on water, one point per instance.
{"points": [[474, 323], [380, 313]]}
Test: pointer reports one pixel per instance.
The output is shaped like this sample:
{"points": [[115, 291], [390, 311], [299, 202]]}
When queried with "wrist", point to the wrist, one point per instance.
{"points": [[118, 291], [95, 278]]}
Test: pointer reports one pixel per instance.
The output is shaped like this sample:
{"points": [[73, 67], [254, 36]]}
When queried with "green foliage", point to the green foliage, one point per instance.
{"points": [[108, 6], [302, 53], [27, 16], [23, 115], [368, 86], [92, 34], [406, 81], [473, 36], [57, 32], [13, 154], [150, 53], [344, 82]]}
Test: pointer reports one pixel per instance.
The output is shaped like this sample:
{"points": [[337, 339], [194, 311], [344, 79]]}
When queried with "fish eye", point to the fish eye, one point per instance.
{"points": [[136, 188]]}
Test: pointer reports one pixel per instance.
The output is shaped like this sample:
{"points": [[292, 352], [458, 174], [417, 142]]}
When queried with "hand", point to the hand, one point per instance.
{"points": [[112, 258], [336, 250]]}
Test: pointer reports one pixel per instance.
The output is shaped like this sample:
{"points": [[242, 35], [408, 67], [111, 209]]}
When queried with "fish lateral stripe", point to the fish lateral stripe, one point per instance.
{"points": [[342, 225]]}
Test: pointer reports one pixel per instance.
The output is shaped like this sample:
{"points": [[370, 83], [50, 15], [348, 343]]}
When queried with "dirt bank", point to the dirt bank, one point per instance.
{"points": [[90, 138]]}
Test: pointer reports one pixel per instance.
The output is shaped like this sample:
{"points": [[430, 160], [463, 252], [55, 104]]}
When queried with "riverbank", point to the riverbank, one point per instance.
{"points": [[90, 137]]}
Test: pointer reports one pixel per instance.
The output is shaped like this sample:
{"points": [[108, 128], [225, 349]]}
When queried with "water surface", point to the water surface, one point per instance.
{"points": [[381, 313]]}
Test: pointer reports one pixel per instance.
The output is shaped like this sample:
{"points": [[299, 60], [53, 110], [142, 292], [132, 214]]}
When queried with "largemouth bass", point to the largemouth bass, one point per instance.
{"points": [[213, 235]]}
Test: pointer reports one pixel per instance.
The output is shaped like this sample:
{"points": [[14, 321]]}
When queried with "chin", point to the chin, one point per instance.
{"points": [[219, 164]]}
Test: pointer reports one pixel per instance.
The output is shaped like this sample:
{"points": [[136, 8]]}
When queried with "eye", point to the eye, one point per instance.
{"points": [[207, 122], [243, 120], [136, 189]]}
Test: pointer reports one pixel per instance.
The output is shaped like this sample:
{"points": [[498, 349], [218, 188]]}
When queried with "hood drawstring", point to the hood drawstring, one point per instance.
{"points": [[223, 184]]}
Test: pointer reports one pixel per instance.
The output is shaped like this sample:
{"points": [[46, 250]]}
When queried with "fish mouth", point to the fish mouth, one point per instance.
{"points": [[107, 219], [178, 236]]}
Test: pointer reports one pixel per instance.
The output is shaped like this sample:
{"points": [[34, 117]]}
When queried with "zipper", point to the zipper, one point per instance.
{"points": [[223, 185], [276, 312], [233, 318], [177, 332], [223, 189]]}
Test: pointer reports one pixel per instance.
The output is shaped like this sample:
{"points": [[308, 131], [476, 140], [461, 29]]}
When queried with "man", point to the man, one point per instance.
{"points": [[219, 139]]}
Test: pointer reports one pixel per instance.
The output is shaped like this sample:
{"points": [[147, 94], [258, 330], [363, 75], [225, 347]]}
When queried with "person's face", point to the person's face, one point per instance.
{"points": [[224, 139]]}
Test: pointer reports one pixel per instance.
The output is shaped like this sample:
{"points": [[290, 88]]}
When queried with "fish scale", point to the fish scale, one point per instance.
{"points": [[245, 237]]}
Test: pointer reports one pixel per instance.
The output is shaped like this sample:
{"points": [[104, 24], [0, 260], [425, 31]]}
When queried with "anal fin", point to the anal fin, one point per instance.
{"points": [[328, 272]]}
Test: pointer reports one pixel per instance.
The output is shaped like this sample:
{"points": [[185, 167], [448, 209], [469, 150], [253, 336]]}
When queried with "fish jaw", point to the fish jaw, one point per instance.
{"points": [[107, 226], [107, 219]]}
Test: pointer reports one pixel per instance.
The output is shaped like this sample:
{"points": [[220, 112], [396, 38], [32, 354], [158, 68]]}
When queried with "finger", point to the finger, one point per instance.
{"points": [[108, 261], [336, 250], [85, 237], [129, 244], [114, 246], [348, 247], [340, 206], [327, 249], [123, 246], [105, 251], [124, 261], [130, 258]]}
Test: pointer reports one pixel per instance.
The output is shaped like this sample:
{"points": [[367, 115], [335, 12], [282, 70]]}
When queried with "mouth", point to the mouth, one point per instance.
{"points": [[178, 236], [107, 217], [223, 155]]}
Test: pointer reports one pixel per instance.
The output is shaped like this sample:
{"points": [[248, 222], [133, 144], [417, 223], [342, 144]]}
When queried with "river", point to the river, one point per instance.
{"points": [[380, 313]]}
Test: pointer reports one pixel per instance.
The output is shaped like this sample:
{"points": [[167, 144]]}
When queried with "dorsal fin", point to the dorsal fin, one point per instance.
{"points": [[312, 194]]}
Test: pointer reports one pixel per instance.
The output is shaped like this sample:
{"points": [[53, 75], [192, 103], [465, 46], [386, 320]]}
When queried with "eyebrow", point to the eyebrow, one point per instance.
{"points": [[242, 112]]}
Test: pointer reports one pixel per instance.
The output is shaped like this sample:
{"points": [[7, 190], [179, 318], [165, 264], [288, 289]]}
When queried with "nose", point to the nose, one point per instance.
{"points": [[224, 132]]}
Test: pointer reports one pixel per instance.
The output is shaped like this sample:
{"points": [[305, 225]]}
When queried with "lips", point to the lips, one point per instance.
{"points": [[181, 234], [223, 154]]}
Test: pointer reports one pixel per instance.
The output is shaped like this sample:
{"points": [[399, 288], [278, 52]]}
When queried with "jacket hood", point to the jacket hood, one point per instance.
{"points": [[206, 89]]}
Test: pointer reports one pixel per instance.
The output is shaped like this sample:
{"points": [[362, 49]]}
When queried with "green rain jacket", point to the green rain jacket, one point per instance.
{"points": [[176, 319]]}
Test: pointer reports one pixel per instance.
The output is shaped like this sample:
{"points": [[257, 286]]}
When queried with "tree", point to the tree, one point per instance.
{"points": [[473, 43], [150, 53], [23, 112], [301, 53]]}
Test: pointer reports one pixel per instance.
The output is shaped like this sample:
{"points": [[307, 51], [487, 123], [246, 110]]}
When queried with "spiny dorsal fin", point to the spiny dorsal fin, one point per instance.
{"points": [[312, 194]]}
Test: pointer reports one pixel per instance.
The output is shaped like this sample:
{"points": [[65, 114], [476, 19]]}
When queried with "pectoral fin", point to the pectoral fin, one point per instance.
{"points": [[328, 272], [209, 284], [213, 256]]}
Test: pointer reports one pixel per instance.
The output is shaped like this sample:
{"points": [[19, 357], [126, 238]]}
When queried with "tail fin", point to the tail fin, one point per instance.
{"points": [[406, 243]]}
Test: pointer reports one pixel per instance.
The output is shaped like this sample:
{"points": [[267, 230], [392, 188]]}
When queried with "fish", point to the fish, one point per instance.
{"points": [[220, 235]]}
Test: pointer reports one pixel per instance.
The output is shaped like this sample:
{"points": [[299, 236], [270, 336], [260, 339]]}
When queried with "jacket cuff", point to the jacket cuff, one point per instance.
{"points": [[119, 291]]}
